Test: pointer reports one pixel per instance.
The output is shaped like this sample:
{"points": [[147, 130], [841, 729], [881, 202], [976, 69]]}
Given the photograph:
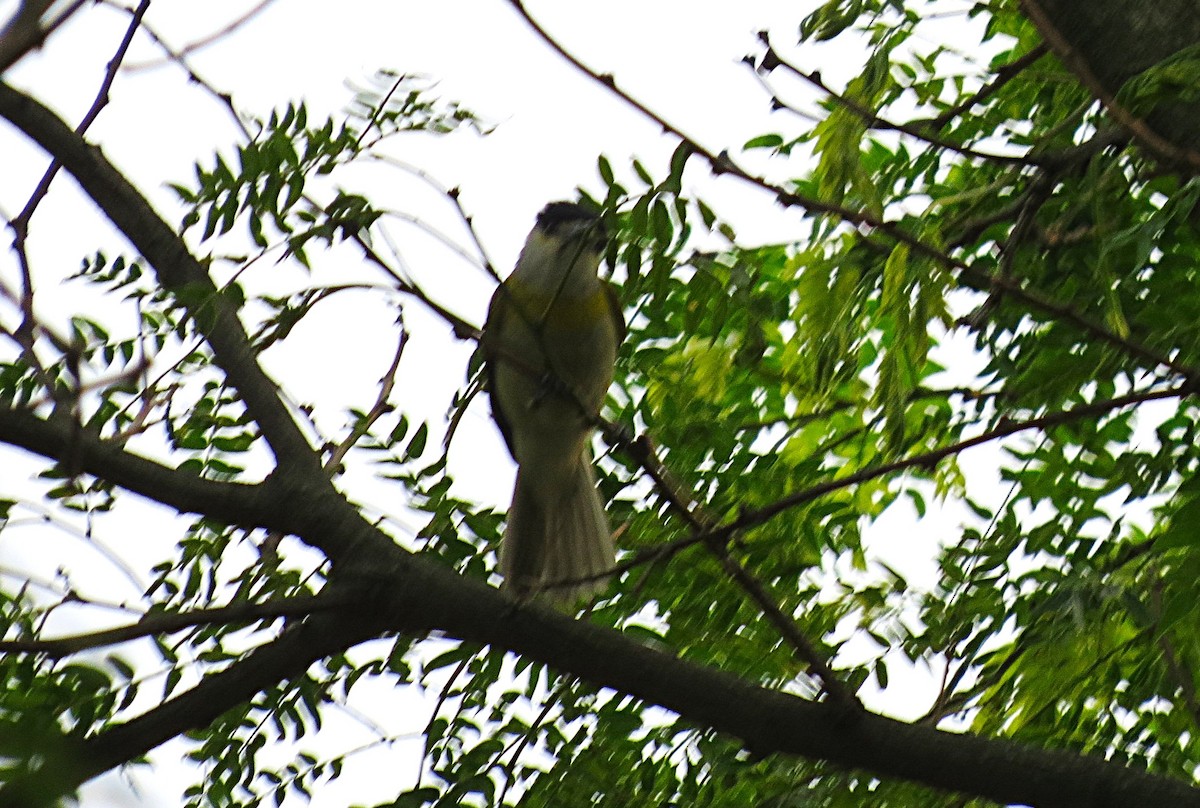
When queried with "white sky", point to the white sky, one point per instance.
{"points": [[680, 57]]}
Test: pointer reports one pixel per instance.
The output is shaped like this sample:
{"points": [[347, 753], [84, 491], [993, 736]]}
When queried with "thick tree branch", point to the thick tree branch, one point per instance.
{"points": [[1107, 43], [178, 270], [772, 722], [63, 440], [25, 31], [433, 597]]}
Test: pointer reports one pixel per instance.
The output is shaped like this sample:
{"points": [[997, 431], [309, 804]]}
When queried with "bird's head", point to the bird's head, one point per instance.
{"points": [[569, 223]]}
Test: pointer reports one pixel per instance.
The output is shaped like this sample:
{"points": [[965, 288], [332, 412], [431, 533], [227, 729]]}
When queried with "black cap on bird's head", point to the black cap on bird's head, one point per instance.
{"points": [[569, 218]]}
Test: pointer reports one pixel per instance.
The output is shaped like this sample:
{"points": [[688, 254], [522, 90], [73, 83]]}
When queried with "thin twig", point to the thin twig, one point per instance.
{"points": [[518, 747], [224, 98], [1177, 668], [931, 458], [445, 240], [469, 221], [920, 394], [462, 328], [693, 513], [20, 223], [205, 41], [453, 195], [379, 109], [387, 383], [30, 328], [1004, 74], [785, 625], [437, 709], [753, 518], [876, 121], [169, 623]]}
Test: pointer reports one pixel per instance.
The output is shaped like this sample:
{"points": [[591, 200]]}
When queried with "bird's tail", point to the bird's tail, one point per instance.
{"points": [[557, 532]]}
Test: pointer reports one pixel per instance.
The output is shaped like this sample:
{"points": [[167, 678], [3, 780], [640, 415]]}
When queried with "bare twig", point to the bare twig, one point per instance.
{"points": [[30, 328], [204, 41], [387, 383], [469, 221], [224, 98], [20, 224], [453, 195], [443, 239], [150, 399], [462, 328]]}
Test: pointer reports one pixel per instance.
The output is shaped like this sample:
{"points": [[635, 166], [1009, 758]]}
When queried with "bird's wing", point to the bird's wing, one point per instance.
{"points": [[491, 350], [614, 306]]}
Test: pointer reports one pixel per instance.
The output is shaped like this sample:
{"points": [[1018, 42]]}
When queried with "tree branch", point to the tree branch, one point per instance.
{"points": [[786, 626], [394, 591], [169, 623], [874, 120], [931, 458], [1004, 74], [748, 519], [433, 597], [62, 439], [1103, 64], [178, 270], [693, 512], [208, 39], [25, 31], [770, 722], [20, 223], [289, 655]]}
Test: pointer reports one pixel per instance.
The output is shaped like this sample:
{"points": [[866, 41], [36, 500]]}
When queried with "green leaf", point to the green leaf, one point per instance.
{"points": [[764, 142]]}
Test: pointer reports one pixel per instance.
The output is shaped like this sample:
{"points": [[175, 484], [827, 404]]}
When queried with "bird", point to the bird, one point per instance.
{"points": [[550, 344]]}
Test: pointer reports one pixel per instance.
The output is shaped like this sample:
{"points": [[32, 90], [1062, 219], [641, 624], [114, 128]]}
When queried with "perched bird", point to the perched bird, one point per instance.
{"points": [[550, 343]]}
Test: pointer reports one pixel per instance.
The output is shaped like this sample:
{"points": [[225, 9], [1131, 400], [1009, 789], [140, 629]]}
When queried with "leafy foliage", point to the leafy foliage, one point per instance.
{"points": [[984, 263]]}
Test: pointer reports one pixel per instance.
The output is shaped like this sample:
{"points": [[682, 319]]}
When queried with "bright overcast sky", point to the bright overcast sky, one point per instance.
{"points": [[681, 57]]}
